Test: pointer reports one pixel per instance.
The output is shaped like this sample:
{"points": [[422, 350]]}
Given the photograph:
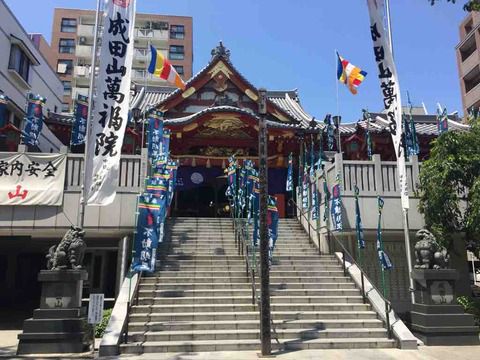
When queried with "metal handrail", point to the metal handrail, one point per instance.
{"points": [[345, 252]]}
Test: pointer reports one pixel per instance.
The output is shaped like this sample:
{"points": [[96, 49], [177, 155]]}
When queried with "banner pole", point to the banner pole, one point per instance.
{"points": [[81, 213]]}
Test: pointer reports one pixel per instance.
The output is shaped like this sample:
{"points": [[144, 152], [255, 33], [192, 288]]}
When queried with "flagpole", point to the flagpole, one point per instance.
{"points": [[336, 79], [406, 228], [81, 213]]}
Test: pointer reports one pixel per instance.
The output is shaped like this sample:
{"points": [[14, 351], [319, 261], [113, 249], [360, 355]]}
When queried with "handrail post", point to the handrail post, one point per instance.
{"points": [[363, 288], [344, 263], [387, 317]]}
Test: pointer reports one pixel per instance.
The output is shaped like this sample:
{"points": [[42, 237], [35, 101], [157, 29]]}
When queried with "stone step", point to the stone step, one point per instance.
{"points": [[273, 273], [245, 334], [253, 324], [241, 267], [248, 307], [282, 316], [243, 285], [254, 344], [226, 279], [177, 293], [227, 300], [277, 258]]}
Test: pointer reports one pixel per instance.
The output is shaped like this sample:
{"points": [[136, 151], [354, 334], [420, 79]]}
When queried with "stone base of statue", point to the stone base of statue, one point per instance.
{"points": [[59, 325], [436, 317]]}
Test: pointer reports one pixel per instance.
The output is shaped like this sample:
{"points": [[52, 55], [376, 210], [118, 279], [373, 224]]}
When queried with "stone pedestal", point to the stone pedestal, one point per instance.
{"points": [[59, 325], [436, 317]]}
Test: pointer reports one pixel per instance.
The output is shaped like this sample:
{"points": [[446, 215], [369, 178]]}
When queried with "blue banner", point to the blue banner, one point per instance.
{"points": [[172, 167], [305, 191], [384, 259], [358, 221], [289, 186], [155, 134], [166, 142], [147, 233], [315, 202], [79, 129], [330, 128], [336, 208], [410, 132], [33, 119], [326, 199], [442, 121], [272, 222], [3, 111], [232, 181]]}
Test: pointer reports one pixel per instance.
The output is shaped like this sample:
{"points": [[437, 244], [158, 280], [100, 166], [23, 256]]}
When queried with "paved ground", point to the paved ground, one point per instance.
{"points": [[8, 343]]}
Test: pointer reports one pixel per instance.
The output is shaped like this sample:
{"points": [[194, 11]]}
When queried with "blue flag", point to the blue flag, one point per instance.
{"points": [[3, 110], [326, 199], [155, 134], [79, 129], [358, 221], [147, 233], [384, 259], [289, 186], [410, 132], [33, 119]]}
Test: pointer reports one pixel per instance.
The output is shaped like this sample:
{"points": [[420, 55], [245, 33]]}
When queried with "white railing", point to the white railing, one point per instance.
{"points": [[130, 177]]}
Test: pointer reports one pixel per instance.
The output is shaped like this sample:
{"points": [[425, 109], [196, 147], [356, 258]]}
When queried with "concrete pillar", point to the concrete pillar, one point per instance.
{"points": [[121, 262], [377, 162]]}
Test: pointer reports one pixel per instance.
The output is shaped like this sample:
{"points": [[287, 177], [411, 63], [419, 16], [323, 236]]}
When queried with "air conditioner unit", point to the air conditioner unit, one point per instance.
{"points": [[82, 40]]}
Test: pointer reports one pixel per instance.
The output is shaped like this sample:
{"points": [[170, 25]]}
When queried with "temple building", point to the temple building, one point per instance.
{"points": [[215, 117]]}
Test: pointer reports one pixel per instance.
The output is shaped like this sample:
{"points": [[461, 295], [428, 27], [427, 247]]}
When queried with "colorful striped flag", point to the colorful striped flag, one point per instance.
{"points": [[161, 67], [349, 74]]}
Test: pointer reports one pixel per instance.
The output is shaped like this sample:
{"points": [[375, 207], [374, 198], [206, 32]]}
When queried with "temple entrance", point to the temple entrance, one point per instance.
{"points": [[200, 192]]}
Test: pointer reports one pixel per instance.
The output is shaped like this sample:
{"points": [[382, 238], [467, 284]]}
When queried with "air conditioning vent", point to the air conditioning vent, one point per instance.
{"points": [[82, 40]]}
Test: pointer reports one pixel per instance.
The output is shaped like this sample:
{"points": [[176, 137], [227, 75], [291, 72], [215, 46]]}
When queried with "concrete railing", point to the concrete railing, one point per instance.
{"points": [[374, 177], [130, 176]]}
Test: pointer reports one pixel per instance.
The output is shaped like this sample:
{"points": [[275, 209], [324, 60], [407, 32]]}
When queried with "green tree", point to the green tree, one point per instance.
{"points": [[450, 186], [471, 5]]}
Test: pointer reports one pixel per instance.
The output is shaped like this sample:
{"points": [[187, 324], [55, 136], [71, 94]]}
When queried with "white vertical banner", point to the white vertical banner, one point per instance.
{"points": [[387, 73], [110, 117]]}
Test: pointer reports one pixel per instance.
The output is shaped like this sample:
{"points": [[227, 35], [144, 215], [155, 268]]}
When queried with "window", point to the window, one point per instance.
{"points": [[67, 88], [468, 48], [159, 25], [19, 62], [69, 26], [179, 69], [65, 67], [177, 32], [66, 46], [65, 107], [472, 79], [468, 27], [176, 52]]}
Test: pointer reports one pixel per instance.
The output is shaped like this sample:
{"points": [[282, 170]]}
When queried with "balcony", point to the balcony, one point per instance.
{"points": [[87, 31], [141, 76], [151, 34], [469, 63], [83, 51]]}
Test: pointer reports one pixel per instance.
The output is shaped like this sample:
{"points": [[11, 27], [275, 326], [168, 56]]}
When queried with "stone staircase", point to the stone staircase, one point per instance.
{"points": [[201, 299]]}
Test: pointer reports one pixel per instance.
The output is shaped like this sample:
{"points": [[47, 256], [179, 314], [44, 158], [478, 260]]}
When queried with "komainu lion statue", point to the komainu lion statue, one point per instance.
{"points": [[428, 252], [68, 254]]}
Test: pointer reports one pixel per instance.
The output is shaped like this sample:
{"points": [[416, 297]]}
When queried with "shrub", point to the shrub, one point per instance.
{"points": [[100, 328], [470, 306]]}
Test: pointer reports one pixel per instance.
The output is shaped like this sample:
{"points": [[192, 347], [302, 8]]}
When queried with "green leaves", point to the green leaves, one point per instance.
{"points": [[450, 185], [472, 5]]}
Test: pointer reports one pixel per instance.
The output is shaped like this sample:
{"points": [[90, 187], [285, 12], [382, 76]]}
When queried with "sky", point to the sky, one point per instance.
{"points": [[290, 44]]}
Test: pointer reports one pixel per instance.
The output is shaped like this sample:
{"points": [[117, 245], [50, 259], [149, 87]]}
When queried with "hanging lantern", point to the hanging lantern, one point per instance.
{"points": [[208, 165], [194, 162]]}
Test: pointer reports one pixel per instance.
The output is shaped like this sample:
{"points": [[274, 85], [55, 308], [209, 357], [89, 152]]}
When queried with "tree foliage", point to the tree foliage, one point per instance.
{"points": [[471, 5], [450, 185]]}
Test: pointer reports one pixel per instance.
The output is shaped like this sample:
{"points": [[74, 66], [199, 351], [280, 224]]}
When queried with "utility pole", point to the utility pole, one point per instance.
{"points": [[265, 316]]}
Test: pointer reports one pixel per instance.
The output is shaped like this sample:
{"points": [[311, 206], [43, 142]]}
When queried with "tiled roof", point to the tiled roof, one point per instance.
{"points": [[424, 124]]}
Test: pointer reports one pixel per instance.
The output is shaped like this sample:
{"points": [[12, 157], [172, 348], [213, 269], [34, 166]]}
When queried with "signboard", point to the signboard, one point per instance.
{"points": [[110, 117], [95, 308], [32, 179]]}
